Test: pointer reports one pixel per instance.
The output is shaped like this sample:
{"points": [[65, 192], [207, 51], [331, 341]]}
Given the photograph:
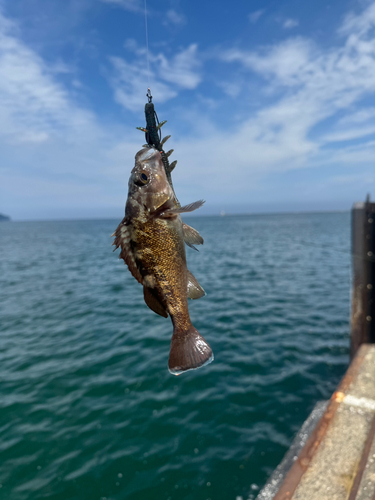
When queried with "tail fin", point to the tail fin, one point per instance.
{"points": [[189, 350]]}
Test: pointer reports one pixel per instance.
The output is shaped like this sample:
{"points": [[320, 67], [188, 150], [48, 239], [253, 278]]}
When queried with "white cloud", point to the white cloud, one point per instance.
{"points": [[181, 69], [167, 75], [349, 134], [255, 16], [363, 153], [314, 85], [129, 84], [361, 116], [290, 23], [232, 89], [308, 104], [53, 151], [365, 179], [33, 107], [173, 17], [290, 61], [131, 5], [359, 24], [67, 157]]}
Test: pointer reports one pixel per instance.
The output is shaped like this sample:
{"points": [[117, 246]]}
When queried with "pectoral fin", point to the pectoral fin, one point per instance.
{"points": [[191, 236], [170, 212], [153, 302], [194, 289]]}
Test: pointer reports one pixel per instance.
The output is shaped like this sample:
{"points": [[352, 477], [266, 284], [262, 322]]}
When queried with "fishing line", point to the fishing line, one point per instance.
{"points": [[148, 60]]}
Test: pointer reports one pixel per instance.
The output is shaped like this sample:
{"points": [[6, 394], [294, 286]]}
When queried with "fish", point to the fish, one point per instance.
{"points": [[152, 239]]}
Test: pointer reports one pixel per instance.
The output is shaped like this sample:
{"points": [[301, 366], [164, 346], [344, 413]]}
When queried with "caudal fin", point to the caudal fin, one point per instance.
{"points": [[189, 350]]}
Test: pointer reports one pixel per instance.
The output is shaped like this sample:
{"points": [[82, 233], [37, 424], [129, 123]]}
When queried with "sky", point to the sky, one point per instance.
{"points": [[270, 104]]}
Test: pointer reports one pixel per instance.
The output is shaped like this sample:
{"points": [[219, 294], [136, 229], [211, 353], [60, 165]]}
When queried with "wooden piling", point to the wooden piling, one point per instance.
{"points": [[363, 285]]}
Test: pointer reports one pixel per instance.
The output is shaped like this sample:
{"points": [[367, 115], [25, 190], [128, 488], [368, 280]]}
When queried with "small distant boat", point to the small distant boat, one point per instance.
{"points": [[4, 218], [222, 213]]}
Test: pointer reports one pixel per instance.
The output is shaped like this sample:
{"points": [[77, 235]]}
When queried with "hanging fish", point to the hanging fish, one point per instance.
{"points": [[151, 237]]}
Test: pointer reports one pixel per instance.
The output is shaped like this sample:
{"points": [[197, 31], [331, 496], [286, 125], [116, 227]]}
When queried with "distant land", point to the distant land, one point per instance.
{"points": [[4, 218]]}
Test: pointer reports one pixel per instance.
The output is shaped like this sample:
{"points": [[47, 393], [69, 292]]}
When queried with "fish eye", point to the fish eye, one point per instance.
{"points": [[142, 179]]}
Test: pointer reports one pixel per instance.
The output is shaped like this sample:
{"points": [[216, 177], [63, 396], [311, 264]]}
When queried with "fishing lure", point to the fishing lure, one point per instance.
{"points": [[154, 140]]}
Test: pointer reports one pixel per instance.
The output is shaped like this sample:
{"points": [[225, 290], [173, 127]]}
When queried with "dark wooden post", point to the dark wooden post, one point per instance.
{"points": [[363, 286]]}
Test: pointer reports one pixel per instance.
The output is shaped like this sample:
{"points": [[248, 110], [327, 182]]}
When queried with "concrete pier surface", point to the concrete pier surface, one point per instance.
{"points": [[333, 456]]}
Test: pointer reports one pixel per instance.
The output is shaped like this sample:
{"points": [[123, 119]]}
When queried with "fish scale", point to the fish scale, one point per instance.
{"points": [[165, 261]]}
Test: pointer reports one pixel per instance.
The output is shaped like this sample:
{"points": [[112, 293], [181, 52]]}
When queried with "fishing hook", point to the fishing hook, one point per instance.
{"points": [[154, 140]]}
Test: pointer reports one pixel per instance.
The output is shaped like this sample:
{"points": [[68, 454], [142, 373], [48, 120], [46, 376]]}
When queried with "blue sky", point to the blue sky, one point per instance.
{"points": [[270, 104]]}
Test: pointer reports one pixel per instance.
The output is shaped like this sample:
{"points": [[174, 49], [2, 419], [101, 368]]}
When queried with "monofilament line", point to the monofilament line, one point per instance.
{"points": [[147, 56]]}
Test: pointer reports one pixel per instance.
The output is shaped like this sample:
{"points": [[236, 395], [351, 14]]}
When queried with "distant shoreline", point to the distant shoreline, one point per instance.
{"points": [[4, 218]]}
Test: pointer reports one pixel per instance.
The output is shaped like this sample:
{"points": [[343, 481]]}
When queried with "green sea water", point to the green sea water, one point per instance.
{"points": [[88, 409]]}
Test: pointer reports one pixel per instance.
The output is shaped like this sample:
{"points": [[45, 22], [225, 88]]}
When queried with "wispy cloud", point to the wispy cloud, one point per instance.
{"points": [[360, 24], [128, 83], [131, 5], [361, 116], [168, 76], [255, 16], [311, 111], [54, 151], [357, 125], [365, 179], [174, 17], [355, 155], [33, 106], [290, 23], [181, 69], [349, 134], [231, 89], [289, 61], [319, 84]]}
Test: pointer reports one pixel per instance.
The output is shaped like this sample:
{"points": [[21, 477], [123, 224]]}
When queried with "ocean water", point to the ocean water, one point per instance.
{"points": [[88, 409]]}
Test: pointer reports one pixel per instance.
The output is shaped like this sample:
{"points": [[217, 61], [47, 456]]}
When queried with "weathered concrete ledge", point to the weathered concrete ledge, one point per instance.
{"points": [[337, 461]]}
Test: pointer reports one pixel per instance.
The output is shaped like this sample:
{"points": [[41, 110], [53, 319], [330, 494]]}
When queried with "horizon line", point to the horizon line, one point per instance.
{"points": [[224, 214]]}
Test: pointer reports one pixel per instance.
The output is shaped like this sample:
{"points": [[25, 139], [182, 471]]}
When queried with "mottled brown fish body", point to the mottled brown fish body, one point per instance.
{"points": [[151, 237], [160, 257]]}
